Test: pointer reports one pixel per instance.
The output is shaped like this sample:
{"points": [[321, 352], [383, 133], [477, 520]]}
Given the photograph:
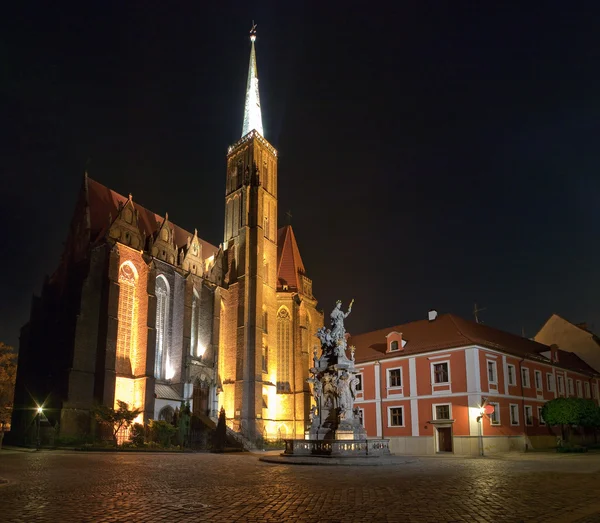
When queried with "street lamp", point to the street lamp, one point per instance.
{"points": [[38, 416], [481, 414]]}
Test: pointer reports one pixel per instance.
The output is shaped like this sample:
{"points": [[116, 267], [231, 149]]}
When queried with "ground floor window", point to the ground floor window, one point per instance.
{"points": [[540, 418], [442, 412], [528, 415], [514, 414], [396, 416], [495, 416]]}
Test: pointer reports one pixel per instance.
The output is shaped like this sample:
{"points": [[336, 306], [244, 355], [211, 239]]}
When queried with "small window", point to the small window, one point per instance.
{"points": [[359, 383], [265, 358], [561, 385], [492, 377], [579, 389], [571, 387], [528, 415], [394, 345], [396, 417], [586, 386], [595, 390], [361, 417], [550, 382], [495, 416], [540, 417], [395, 377], [440, 372], [538, 380], [514, 414], [265, 322], [442, 412], [525, 377], [512, 374]]}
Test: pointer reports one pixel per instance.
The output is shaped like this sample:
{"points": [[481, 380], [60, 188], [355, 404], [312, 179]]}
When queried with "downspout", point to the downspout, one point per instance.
{"points": [[523, 403]]}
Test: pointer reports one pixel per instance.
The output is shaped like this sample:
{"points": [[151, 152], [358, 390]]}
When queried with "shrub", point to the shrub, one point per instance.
{"points": [[162, 432], [138, 434]]}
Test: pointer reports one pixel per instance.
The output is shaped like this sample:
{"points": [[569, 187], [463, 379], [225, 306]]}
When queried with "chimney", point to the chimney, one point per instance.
{"points": [[432, 314]]}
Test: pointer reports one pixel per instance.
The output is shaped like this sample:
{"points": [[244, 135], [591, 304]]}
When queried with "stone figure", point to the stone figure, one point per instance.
{"points": [[344, 393], [353, 383], [317, 388], [313, 413], [325, 336], [337, 320]]}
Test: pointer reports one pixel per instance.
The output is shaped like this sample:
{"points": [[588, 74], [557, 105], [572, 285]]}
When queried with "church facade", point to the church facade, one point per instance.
{"points": [[145, 312]]}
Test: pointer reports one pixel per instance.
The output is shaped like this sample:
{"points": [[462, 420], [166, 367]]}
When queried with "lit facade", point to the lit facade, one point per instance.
{"points": [[143, 311], [423, 385]]}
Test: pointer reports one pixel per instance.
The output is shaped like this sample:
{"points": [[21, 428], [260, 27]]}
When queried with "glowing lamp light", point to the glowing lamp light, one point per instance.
{"points": [[39, 410], [200, 350]]}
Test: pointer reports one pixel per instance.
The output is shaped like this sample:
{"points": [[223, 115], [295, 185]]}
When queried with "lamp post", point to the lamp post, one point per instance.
{"points": [[481, 413], [38, 416]]}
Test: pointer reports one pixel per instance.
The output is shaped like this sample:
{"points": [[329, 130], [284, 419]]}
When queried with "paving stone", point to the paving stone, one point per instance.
{"points": [[76, 486]]}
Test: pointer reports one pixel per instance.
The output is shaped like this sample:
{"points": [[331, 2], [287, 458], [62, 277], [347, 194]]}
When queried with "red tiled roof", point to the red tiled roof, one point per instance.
{"points": [[103, 201], [445, 332], [289, 261], [570, 360]]}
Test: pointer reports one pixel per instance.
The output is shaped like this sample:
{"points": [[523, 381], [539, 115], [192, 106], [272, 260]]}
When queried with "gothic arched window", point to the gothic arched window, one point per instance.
{"points": [[195, 349], [126, 318], [162, 319], [284, 350]]}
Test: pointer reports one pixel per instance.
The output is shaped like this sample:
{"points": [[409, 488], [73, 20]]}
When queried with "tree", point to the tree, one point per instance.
{"points": [[8, 377], [568, 412], [115, 419], [220, 436]]}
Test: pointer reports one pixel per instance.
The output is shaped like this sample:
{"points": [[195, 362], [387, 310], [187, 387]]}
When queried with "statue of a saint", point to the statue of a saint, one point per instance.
{"points": [[337, 320], [344, 394]]}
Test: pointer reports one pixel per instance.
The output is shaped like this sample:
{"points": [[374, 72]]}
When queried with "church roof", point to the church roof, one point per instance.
{"points": [[103, 201], [289, 261], [449, 331]]}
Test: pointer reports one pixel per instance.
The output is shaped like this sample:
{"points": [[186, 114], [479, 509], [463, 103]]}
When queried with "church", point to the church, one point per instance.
{"points": [[143, 311]]}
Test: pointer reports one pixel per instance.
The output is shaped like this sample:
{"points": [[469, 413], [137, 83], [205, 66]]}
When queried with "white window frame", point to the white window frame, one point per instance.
{"points": [[586, 387], [570, 387], [541, 421], [512, 382], [513, 423], [434, 412], [495, 372], [579, 389], [361, 417], [496, 414], [392, 345], [525, 417], [550, 382], [360, 376], [525, 372], [389, 379], [389, 409], [537, 373], [595, 391], [433, 382]]}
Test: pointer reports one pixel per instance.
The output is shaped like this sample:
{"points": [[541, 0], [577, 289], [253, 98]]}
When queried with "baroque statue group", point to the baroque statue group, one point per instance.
{"points": [[334, 384]]}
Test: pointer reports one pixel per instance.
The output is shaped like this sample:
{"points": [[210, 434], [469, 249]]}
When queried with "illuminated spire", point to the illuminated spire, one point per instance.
{"points": [[252, 115]]}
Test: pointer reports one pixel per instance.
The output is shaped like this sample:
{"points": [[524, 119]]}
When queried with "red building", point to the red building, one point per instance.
{"points": [[423, 385]]}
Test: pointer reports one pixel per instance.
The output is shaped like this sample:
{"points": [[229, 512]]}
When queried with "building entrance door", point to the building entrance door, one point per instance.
{"points": [[200, 397], [444, 439]]}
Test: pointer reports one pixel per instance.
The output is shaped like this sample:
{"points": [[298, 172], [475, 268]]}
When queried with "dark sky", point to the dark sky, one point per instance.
{"points": [[432, 157]]}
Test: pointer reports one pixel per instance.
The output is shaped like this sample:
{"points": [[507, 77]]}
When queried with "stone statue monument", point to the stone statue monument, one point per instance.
{"points": [[335, 427], [333, 379]]}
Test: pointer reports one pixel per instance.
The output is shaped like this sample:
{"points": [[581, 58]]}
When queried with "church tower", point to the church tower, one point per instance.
{"points": [[250, 242]]}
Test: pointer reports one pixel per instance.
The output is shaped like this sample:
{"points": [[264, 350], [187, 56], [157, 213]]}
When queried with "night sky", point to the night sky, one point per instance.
{"points": [[431, 157]]}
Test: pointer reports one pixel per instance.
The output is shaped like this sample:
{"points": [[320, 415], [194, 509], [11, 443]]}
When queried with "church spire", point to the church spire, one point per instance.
{"points": [[252, 114]]}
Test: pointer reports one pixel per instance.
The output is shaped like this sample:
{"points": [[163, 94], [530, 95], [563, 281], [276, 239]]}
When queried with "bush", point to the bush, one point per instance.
{"points": [[138, 435], [162, 432]]}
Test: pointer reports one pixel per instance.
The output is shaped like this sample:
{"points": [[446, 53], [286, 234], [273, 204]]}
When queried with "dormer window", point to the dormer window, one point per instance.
{"points": [[394, 345], [395, 342]]}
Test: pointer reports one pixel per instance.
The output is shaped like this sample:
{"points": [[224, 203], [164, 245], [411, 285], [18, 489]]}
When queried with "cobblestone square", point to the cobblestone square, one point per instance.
{"points": [[77, 486]]}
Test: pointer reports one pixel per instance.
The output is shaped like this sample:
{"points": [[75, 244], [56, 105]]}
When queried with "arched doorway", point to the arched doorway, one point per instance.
{"points": [[200, 397]]}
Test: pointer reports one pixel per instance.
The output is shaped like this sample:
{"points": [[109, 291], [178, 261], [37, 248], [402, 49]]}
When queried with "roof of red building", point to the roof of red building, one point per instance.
{"points": [[571, 361], [103, 202], [449, 331], [288, 259]]}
